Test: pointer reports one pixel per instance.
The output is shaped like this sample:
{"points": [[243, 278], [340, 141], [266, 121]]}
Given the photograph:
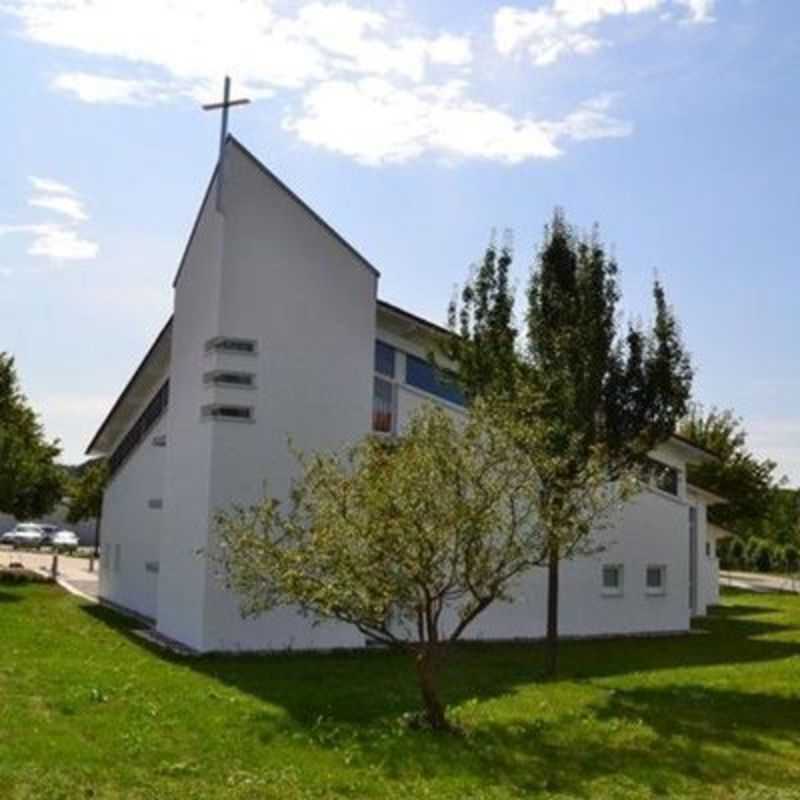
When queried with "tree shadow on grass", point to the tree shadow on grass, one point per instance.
{"points": [[8, 597], [354, 687], [656, 737]]}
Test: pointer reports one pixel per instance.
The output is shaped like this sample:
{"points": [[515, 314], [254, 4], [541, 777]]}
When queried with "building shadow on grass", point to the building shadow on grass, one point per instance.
{"points": [[681, 731]]}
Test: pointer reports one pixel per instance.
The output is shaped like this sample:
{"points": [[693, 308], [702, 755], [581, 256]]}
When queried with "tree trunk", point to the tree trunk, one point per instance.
{"points": [[97, 537], [427, 665], [551, 665]]}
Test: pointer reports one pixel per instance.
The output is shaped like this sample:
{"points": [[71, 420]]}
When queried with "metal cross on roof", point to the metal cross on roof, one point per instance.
{"points": [[224, 105]]}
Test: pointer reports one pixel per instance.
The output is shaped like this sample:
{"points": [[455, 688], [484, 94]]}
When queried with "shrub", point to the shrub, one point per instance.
{"points": [[731, 553], [17, 575], [760, 554], [791, 558]]}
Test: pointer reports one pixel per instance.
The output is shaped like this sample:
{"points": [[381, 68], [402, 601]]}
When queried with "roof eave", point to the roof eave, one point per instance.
{"points": [[92, 447]]}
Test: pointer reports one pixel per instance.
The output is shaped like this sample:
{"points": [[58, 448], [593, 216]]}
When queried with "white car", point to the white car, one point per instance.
{"points": [[64, 541], [25, 534]]}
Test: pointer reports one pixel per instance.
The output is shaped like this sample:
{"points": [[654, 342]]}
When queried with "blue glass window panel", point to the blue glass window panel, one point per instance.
{"points": [[423, 375], [384, 359]]}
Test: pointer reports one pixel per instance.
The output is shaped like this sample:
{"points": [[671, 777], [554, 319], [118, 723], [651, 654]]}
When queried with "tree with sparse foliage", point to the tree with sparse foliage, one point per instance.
{"points": [[409, 539], [599, 389], [31, 483], [86, 495]]}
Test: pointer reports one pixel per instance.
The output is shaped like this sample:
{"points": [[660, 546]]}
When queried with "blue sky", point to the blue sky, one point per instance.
{"points": [[415, 129]]}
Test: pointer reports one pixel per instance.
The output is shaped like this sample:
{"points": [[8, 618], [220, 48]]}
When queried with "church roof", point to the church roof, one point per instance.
{"points": [[232, 141]]}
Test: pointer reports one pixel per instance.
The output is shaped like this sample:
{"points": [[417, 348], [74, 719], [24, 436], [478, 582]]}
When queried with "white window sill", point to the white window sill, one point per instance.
{"points": [[613, 593], [656, 592]]}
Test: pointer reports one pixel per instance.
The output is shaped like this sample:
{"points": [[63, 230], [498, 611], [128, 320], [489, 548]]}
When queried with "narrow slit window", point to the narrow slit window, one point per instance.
{"points": [[228, 344], [239, 413], [245, 380]]}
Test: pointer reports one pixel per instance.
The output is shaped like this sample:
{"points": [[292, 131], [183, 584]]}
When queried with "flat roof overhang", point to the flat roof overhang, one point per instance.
{"points": [[149, 376]]}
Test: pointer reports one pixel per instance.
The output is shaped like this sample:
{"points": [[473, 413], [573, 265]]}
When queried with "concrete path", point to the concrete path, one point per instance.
{"points": [[757, 582], [73, 573]]}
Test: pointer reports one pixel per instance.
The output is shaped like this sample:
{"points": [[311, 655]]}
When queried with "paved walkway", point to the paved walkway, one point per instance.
{"points": [[72, 572], [757, 582]]}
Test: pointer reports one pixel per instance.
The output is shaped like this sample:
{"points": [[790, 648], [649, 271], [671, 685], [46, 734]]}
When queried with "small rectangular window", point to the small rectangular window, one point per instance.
{"points": [[383, 406], [656, 579], [220, 377], [151, 566], [663, 477], [155, 503], [229, 344], [612, 579], [239, 413], [385, 359]]}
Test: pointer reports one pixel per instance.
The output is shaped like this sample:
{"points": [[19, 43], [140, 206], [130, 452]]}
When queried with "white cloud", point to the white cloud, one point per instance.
{"points": [[700, 11], [591, 120], [370, 85], [63, 204], [49, 186], [195, 44], [542, 33], [376, 122], [57, 241], [455, 51], [101, 89], [54, 241], [62, 244], [566, 27]]}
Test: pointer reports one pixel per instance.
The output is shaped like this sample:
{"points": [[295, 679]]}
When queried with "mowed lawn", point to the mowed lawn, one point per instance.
{"points": [[89, 711]]}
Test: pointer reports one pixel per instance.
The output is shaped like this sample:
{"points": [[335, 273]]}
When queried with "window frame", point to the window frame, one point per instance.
{"points": [[213, 412], [386, 348], [393, 402], [656, 470], [613, 591], [656, 591], [445, 385], [232, 345], [213, 378]]}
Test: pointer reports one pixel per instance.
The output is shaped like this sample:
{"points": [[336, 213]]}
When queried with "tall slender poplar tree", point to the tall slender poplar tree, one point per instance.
{"points": [[597, 387]]}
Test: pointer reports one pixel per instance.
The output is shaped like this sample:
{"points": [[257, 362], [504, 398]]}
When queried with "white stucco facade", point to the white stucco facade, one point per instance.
{"points": [[273, 336]]}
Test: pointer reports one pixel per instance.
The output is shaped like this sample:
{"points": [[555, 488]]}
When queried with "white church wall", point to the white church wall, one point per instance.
{"points": [[273, 274], [309, 302], [651, 531], [707, 571], [132, 524], [182, 577]]}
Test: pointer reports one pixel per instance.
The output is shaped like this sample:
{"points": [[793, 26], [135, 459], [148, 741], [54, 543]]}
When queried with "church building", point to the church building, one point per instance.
{"points": [[277, 331]]}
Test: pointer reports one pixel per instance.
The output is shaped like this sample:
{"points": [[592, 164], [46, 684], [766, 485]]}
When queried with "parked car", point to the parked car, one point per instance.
{"points": [[25, 534], [48, 531], [64, 541]]}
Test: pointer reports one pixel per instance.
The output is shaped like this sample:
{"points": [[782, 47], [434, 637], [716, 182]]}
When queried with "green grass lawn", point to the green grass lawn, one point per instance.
{"points": [[87, 710]]}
